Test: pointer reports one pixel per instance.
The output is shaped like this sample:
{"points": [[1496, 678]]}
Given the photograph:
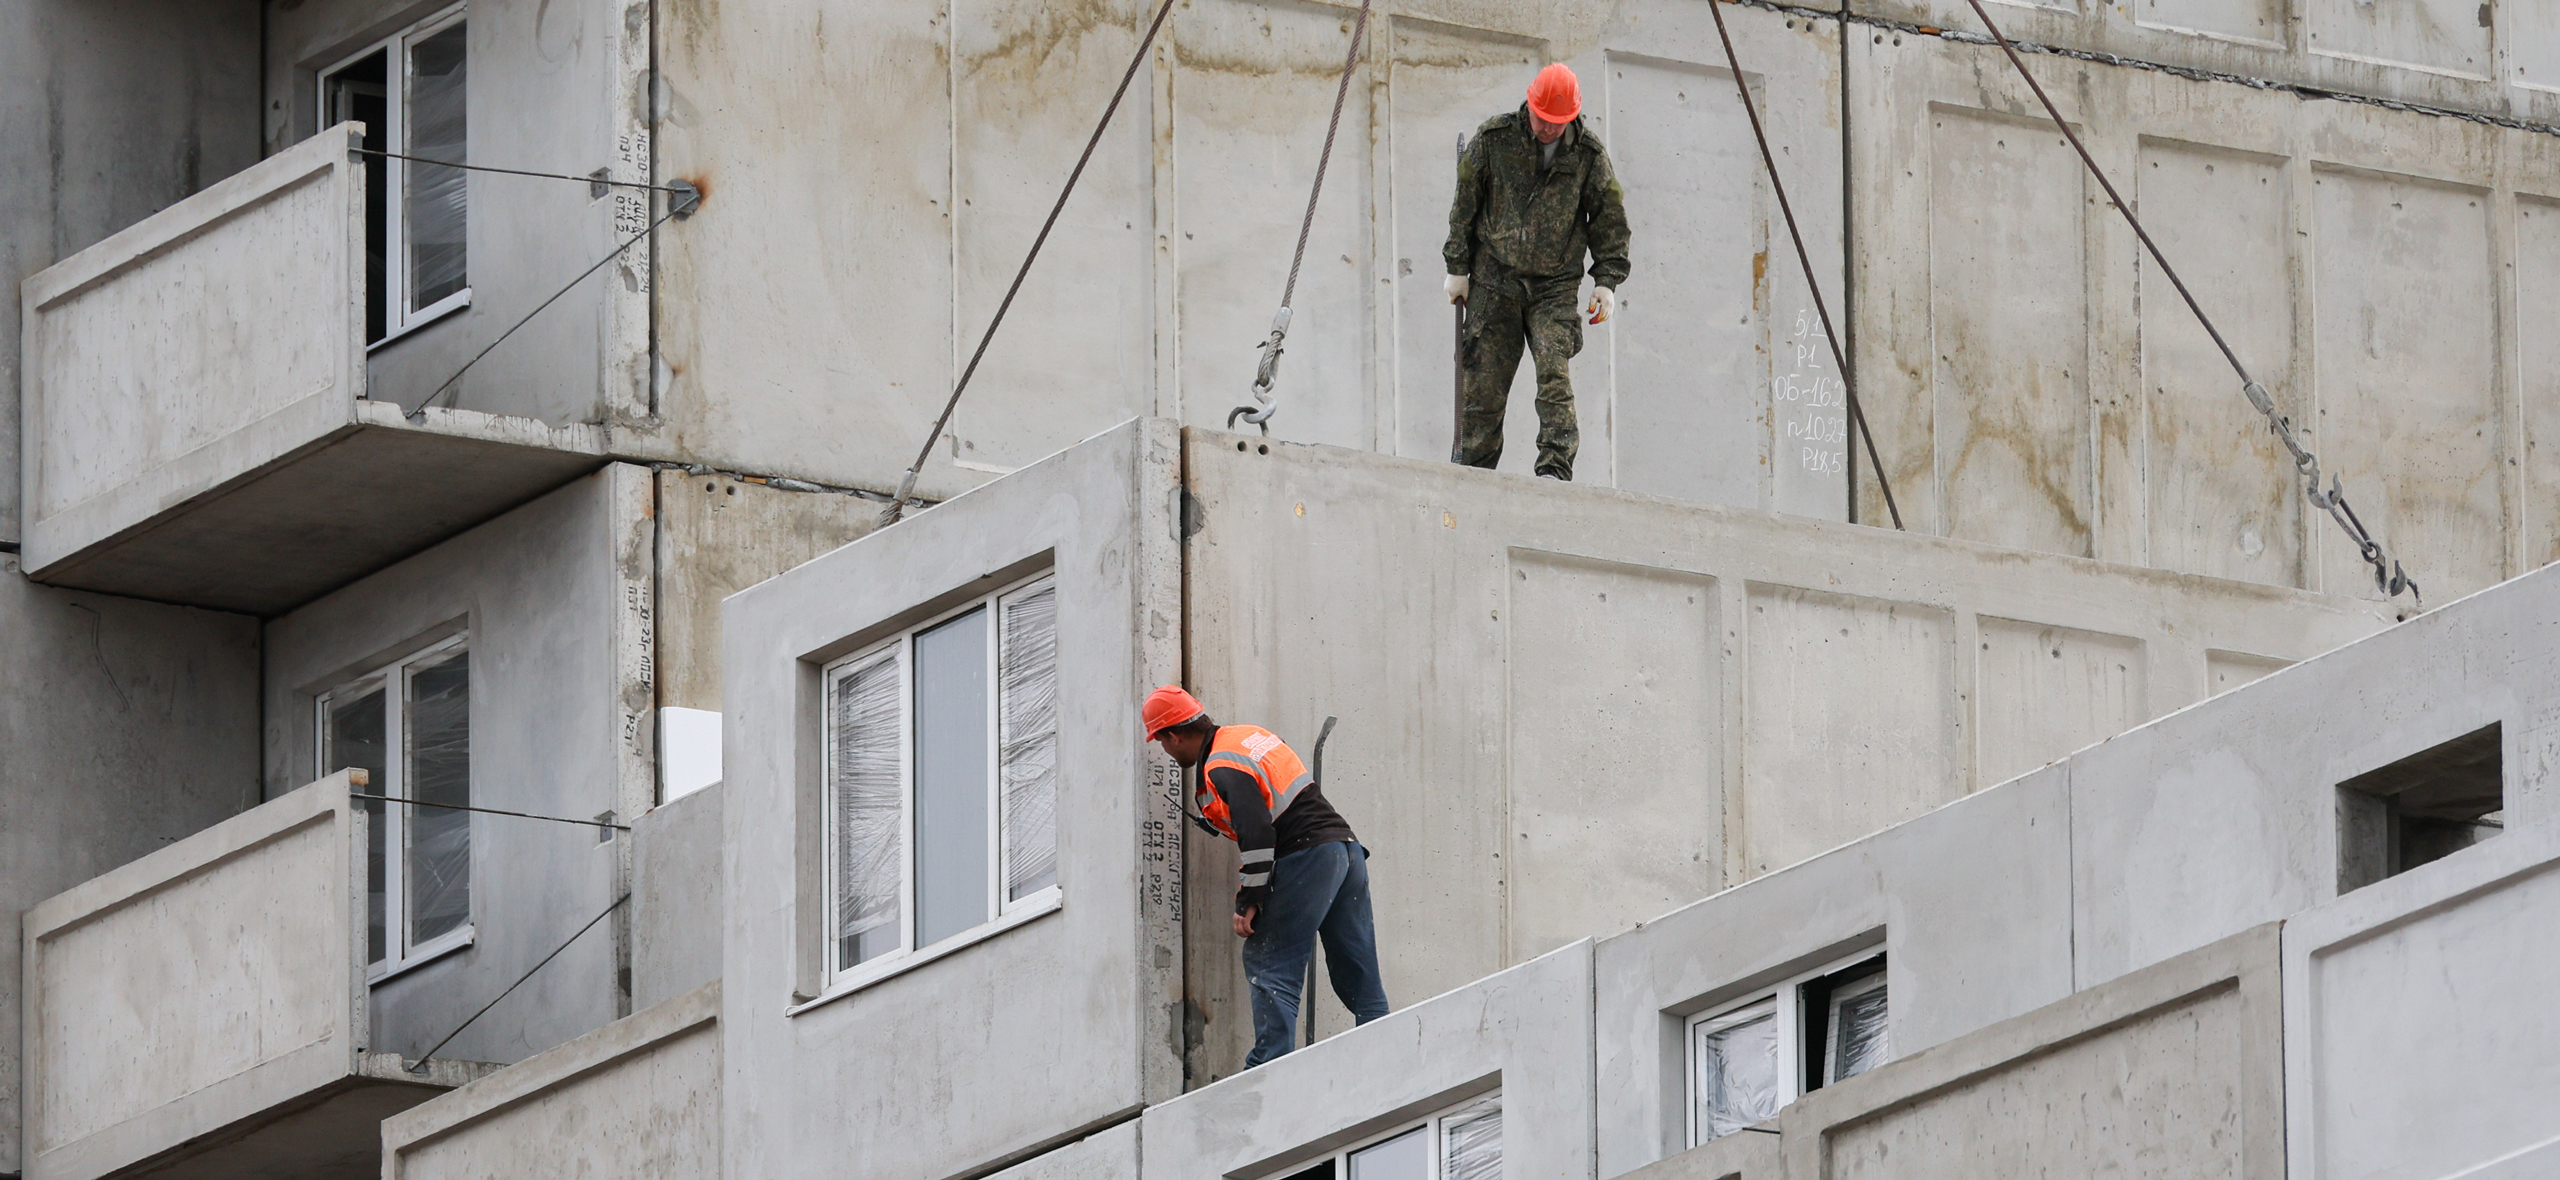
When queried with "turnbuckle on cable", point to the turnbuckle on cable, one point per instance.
{"points": [[1268, 373], [2388, 576]]}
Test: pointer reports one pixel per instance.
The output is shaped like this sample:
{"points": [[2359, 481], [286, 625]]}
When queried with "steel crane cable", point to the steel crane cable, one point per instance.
{"points": [[907, 483], [1839, 360], [1259, 413], [2388, 576]]}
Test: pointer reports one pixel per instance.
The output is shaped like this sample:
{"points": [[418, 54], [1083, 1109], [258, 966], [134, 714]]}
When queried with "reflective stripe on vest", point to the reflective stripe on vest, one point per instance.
{"points": [[1260, 753]]}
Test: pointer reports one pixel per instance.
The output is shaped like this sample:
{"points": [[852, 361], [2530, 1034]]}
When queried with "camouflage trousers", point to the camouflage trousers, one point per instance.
{"points": [[1503, 315]]}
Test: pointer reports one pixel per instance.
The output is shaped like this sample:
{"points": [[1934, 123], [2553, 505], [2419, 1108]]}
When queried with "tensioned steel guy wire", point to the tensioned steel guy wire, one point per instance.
{"points": [[2388, 576], [1831, 336], [655, 188], [429, 1055], [1259, 413], [907, 483], [557, 819], [675, 209]]}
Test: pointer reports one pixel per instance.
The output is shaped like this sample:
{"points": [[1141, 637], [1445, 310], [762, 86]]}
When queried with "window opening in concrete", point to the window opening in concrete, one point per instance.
{"points": [[1463, 1142], [408, 727], [2421, 808], [942, 778], [1751, 1057], [410, 90]]}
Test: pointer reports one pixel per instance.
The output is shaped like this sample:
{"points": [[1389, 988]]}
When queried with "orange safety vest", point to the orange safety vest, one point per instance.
{"points": [[1258, 752]]}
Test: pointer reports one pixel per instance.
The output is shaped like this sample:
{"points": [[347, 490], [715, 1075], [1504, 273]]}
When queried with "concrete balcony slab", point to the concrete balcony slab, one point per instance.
{"points": [[196, 428], [200, 1012]]}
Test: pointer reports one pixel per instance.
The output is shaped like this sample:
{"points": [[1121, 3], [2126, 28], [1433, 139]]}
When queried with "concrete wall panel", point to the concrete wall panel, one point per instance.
{"points": [[675, 898], [2537, 301], [2043, 692], [1616, 711], [1104, 1155], [2010, 330], [2224, 498], [1827, 759], [2409, 374], [799, 1051], [2436, 36], [2416, 1044], [639, 1097], [135, 726], [717, 535]]}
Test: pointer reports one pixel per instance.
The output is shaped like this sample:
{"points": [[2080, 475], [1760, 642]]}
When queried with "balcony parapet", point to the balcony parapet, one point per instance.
{"points": [[195, 425], [202, 1010]]}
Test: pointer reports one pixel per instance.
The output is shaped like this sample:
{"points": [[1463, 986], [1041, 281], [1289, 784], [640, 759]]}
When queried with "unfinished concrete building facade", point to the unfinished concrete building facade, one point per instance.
{"points": [[326, 456]]}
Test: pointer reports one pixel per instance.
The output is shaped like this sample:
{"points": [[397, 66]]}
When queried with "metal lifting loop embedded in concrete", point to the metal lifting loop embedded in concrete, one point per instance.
{"points": [[1821, 307], [2388, 576], [907, 483], [1268, 373]]}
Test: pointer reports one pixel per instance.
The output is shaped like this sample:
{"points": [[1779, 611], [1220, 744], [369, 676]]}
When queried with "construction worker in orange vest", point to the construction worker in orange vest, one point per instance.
{"points": [[1303, 874]]}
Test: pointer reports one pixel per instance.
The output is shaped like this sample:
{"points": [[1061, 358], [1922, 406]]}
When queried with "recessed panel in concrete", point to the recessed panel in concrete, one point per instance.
{"points": [[2533, 44], [1077, 353], [1617, 710], [2224, 500], [2408, 372], [2042, 692], [1693, 344], [2439, 36], [1835, 754], [2538, 302], [2227, 670], [2008, 313], [1253, 88], [2429, 1034], [2165, 1096], [1442, 82], [2248, 20]]}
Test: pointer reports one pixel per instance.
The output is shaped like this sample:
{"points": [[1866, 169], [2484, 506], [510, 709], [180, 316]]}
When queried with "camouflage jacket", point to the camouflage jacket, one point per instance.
{"points": [[1536, 220]]}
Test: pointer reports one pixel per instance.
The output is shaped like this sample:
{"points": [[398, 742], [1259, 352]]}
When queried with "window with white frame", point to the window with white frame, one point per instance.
{"points": [[409, 92], [408, 727], [1749, 1058], [1463, 1142], [942, 779]]}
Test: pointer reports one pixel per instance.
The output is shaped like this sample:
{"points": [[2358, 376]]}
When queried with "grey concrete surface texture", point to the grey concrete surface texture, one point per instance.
{"points": [[108, 113], [1524, 1031], [2034, 381], [2414, 1039], [549, 606], [232, 961], [717, 535], [135, 725], [1568, 710], [1020, 1034], [638, 1097], [2162, 839], [2179, 1066], [551, 87], [675, 898]]}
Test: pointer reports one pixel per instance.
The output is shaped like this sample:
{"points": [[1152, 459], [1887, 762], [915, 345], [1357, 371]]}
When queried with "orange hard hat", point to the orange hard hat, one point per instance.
{"points": [[1167, 707], [1556, 95]]}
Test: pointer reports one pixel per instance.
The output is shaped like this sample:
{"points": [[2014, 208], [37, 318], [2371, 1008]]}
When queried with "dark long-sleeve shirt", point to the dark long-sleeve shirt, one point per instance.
{"points": [[1307, 822], [1525, 212]]}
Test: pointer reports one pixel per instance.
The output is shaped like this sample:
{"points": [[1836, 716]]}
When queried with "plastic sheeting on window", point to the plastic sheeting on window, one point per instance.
{"points": [[869, 813], [437, 714], [1405, 1157], [1471, 1141], [438, 196], [358, 738], [1737, 1074], [1029, 742], [1859, 1040]]}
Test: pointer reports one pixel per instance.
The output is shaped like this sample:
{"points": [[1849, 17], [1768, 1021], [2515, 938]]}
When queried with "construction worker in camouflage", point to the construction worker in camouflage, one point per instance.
{"points": [[1535, 193]]}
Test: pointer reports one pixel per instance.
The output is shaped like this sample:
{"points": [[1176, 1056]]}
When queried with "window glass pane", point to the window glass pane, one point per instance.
{"points": [[1029, 745], [1858, 1041], [867, 813], [1471, 1141], [358, 92], [1737, 1072], [436, 195], [952, 795], [1405, 1157], [437, 713], [1321, 1171], [356, 739]]}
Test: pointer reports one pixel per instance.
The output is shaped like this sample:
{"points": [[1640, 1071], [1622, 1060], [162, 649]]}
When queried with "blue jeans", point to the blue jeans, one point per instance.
{"points": [[1324, 891]]}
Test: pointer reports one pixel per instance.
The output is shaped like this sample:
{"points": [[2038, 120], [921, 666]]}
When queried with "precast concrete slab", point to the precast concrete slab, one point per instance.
{"points": [[196, 425], [233, 963]]}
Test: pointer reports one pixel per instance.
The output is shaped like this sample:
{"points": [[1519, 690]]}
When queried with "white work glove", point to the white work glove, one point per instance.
{"points": [[1604, 303], [1456, 287]]}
